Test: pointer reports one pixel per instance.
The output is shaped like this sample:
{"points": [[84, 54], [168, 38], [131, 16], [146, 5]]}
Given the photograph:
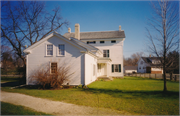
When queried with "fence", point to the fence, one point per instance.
{"points": [[175, 77]]}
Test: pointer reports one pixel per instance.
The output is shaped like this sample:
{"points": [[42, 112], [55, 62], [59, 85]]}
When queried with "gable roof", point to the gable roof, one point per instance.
{"points": [[88, 47], [130, 67], [97, 35], [27, 50], [149, 60]]}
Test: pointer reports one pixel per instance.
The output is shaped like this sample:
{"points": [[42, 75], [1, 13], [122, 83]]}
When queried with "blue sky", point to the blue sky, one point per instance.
{"points": [[108, 15]]}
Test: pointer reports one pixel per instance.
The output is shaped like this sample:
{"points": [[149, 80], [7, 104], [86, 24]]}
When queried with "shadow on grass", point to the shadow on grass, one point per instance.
{"points": [[132, 94], [10, 84]]}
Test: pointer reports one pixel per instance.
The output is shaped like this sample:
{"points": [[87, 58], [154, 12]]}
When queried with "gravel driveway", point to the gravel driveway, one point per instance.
{"points": [[55, 107]]}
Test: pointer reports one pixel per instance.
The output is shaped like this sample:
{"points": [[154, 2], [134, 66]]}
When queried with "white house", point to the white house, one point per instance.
{"points": [[89, 54], [150, 65], [130, 69]]}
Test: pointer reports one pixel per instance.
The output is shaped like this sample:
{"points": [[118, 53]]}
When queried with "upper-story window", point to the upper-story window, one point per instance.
{"points": [[61, 50], [91, 42], [141, 62], [101, 41], [49, 49], [105, 53], [156, 61], [113, 41]]}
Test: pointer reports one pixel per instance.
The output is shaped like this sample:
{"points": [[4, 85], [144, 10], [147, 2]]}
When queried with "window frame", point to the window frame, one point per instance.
{"points": [[114, 68], [51, 67], [106, 53], [102, 42], [113, 41], [91, 42], [58, 50], [47, 49]]}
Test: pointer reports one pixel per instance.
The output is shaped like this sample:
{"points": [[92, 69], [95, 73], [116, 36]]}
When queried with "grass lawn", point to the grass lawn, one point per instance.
{"points": [[132, 94], [10, 109]]}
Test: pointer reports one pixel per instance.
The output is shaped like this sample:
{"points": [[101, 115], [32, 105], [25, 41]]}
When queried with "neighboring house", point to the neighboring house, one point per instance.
{"points": [[130, 69], [89, 54], [149, 65]]}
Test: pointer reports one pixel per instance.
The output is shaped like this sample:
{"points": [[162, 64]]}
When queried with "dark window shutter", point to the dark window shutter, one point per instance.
{"points": [[119, 67], [112, 67], [108, 52]]}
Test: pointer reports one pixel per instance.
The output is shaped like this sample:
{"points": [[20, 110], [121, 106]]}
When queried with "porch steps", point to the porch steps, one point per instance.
{"points": [[105, 78]]}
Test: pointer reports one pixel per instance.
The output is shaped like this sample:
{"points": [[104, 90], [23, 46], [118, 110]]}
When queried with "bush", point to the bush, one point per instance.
{"points": [[46, 80]]}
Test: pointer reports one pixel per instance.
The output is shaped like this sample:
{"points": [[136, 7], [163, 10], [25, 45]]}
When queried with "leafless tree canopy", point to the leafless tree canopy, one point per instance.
{"points": [[163, 31], [132, 61], [26, 22]]}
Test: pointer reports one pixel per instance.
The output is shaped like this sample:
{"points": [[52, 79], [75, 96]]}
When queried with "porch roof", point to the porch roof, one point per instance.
{"points": [[103, 60]]}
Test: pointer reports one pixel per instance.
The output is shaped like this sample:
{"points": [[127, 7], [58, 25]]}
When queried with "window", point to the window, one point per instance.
{"points": [[101, 41], [116, 67], [105, 53], [94, 69], [91, 42], [113, 41], [143, 67], [61, 50], [99, 67], [141, 62], [53, 67], [139, 67], [49, 50]]}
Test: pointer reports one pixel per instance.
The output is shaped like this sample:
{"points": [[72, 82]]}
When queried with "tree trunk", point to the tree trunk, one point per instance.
{"points": [[164, 77]]}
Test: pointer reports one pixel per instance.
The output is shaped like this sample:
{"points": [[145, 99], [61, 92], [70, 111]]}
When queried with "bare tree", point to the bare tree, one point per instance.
{"points": [[26, 22], [163, 31], [173, 63], [6, 58], [132, 61]]}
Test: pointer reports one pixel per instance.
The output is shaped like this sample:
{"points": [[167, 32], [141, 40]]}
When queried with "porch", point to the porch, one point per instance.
{"points": [[103, 68]]}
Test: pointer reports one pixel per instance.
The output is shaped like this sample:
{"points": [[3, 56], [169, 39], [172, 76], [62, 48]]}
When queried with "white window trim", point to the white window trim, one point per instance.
{"points": [[46, 50], [118, 68], [57, 50], [50, 66], [106, 53]]}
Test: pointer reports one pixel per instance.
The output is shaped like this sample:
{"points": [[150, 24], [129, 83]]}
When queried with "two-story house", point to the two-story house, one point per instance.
{"points": [[89, 54], [150, 65]]}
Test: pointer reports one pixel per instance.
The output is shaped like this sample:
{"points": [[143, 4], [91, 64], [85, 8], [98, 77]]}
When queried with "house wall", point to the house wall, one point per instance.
{"points": [[130, 71], [115, 53], [156, 70], [141, 66], [37, 59], [90, 64]]}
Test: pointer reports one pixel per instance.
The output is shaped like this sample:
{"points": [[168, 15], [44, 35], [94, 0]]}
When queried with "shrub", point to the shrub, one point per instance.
{"points": [[46, 80]]}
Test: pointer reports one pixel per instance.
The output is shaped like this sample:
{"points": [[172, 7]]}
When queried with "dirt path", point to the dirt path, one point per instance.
{"points": [[55, 107]]}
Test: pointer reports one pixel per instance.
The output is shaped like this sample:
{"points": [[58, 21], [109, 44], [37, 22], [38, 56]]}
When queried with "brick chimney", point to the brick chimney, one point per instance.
{"points": [[150, 55], [119, 27], [69, 30], [77, 31]]}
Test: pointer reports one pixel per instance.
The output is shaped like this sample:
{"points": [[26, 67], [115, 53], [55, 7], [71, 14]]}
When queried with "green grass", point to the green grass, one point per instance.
{"points": [[10, 109], [132, 94]]}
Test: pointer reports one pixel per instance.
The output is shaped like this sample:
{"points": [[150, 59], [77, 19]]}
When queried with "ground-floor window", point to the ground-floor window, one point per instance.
{"points": [[116, 67], [94, 68], [99, 67], [53, 67]]}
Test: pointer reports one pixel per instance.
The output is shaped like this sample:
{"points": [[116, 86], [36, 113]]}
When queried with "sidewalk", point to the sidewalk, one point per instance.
{"points": [[55, 107]]}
